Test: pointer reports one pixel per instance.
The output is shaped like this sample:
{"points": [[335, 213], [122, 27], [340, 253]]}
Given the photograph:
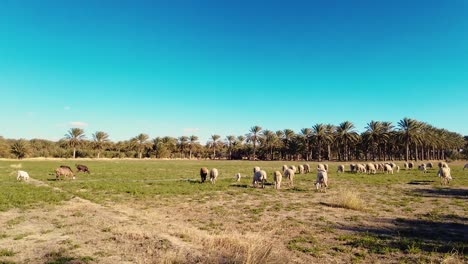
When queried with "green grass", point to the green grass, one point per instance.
{"points": [[6, 253]]}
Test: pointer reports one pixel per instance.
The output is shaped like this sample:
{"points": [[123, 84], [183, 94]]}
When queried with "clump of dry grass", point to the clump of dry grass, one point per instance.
{"points": [[349, 200], [453, 258]]}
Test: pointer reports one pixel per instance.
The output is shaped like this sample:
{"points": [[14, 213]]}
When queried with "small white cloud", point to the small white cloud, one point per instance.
{"points": [[78, 124], [191, 130], [66, 108]]}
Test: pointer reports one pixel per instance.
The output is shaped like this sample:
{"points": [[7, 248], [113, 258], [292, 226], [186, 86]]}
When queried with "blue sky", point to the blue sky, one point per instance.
{"points": [[208, 67]]}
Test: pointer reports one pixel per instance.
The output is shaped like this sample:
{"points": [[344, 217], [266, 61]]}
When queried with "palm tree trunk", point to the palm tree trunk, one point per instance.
{"points": [[328, 152], [407, 151], [98, 154], [319, 150], [74, 153], [140, 154]]}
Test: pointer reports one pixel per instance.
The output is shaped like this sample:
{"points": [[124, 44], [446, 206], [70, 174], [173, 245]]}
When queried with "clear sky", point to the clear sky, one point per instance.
{"points": [[211, 67]]}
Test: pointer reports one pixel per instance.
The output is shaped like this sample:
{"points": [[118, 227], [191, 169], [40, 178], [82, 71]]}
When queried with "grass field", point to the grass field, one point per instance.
{"points": [[152, 211]]}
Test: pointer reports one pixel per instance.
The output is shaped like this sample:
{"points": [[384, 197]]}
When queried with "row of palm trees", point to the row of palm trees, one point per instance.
{"points": [[410, 139]]}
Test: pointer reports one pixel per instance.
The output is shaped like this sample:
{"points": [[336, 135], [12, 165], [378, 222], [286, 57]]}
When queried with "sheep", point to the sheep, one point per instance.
{"points": [[63, 171], [465, 167], [392, 164], [443, 165], [277, 177], [341, 168], [300, 169], [255, 169], [322, 180], [213, 175], [82, 168], [444, 174], [360, 168], [292, 167], [306, 168], [371, 168], [320, 166], [352, 167], [422, 168], [429, 165], [238, 177], [22, 175], [289, 173], [284, 168], [410, 165], [203, 174], [259, 176], [388, 169]]}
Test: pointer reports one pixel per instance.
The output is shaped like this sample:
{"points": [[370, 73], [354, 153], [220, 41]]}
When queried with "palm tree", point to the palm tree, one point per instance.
{"points": [[182, 145], [387, 133], [346, 134], [288, 136], [270, 141], [306, 134], [214, 143], [373, 135], [230, 140], [329, 139], [254, 137], [21, 148], [192, 140], [410, 129], [140, 142], [100, 138], [74, 137], [319, 133]]}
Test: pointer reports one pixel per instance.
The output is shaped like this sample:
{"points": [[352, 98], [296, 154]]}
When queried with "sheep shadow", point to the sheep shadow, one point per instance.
{"points": [[426, 235], [422, 182], [443, 192]]}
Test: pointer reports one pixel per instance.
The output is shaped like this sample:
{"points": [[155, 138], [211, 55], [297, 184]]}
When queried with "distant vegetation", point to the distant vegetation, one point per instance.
{"points": [[408, 140]]}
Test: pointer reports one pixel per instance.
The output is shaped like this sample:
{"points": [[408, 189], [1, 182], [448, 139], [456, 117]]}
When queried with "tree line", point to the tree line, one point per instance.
{"points": [[409, 140]]}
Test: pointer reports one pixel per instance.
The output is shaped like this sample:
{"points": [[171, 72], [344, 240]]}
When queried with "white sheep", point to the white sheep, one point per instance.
{"points": [[320, 166], [443, 165], [341, 169], [322, 180], [259, 176], [292, 167], [213, 175], [284, 168], [371, 168], [289, 174], [238, 177], [422, 168], [277, 177], [255, 169], [360, 168], [300, 169], [22, 175], [306, 168], [388, 168], [444, 174]]}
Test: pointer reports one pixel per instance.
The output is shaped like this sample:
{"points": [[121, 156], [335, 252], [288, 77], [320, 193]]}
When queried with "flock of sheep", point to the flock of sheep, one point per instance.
{"points": [[62, 171], [260, 176]]}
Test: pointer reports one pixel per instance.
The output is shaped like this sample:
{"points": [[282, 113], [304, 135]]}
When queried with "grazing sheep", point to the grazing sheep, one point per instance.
{"points": [[65, 167], [63, 171], [255, 169], [341, 169], [301, 169], [322, 180], [465, 167], [292, 167], [203, 174], [277, 177], [289, 173], [213, 175], [284, 168], [422, 168], [388, 169], [371, 168], [81, 168], [429, 165], [444, 174], [410, 165], [306, 168], [238, 177], [259, 176], [22, 175], [320, 166], [360, 168], [392, 164]]}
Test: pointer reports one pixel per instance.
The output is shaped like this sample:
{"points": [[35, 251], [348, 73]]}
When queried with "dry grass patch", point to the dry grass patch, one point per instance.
{"points": [[349, 200]]}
